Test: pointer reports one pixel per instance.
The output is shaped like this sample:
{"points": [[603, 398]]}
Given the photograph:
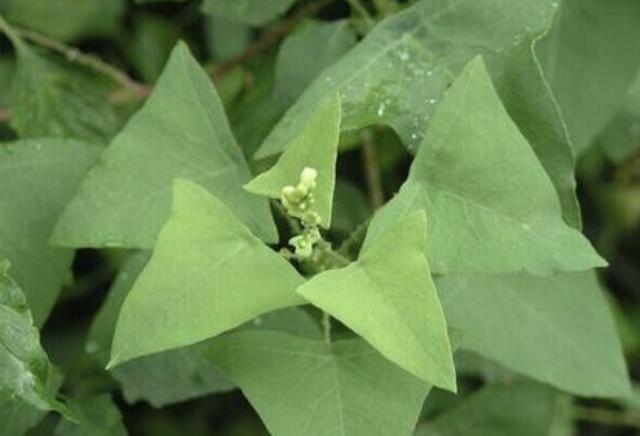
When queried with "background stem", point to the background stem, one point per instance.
{"points": [[326, 327], [372, 169]]}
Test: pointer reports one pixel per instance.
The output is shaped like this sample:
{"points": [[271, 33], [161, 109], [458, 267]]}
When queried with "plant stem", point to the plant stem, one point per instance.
{"points": [[385, 7], [372, 170], [357, 6], [355, 238], [326, 327], [9, 31], [90, 61], [141, 90], [606, 417], [293, 223], [5, 115], [332, 258], [268, 39]]}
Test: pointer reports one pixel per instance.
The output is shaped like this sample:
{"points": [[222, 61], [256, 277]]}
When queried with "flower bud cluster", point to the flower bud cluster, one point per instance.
{"points": [[298, 202]]}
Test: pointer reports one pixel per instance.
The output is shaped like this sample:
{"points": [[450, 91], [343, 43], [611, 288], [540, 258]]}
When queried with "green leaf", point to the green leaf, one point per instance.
{"points": [[160, 379], [254, 12], [590, 58], [150, 44], [558, 330], [52, 17], [621, 137], [272, 92], [16, 415], [170, 377], [293, 320], [522, 409], [399, 72], [196, 284], [295, 68], [7, 74], [226, 39], [180, 132], [185, 373], [159, 1], [96, 416], [492, 207], [315, 147], [53, 98], [308, 387], [38, 179], [531, 105], [389, 299], [351, 206], [27, 382], [104, 323]]}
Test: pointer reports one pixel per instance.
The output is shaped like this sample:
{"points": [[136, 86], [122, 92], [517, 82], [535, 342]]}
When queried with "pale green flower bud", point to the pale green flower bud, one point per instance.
{"points": [[311, 218], [308, 178], [303, 248]]}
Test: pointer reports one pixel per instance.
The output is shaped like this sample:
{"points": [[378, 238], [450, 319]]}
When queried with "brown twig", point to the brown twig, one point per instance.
{"points": [[607, 417], [5, 115], [372, 170], [141, 90], [91, 61], [270, 38]]}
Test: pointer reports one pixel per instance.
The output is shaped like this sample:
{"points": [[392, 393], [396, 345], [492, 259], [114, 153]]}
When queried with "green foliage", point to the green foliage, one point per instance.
{"points": [[497, 315], [254, 12], [96, 416], [52, 17], [621, 137], [303, 386], [334, 208], [201, 228], [129, 192], [388, 298], [48, 96], [398, 73], [191, 376], [294, 69], [27, 378], [471, 175], [316, 147], [523, 409], [190, 373], [590, 36], [39, 178]]}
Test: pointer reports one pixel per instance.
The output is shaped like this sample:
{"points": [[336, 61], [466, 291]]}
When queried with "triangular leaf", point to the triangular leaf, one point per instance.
{"points": [[196, 284], [492, 207], [180, 132], [308, 387], [556, 329], [316, 147], [389, 299], [38, 178], [103, 326], [160, 379], [529, 101]]}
